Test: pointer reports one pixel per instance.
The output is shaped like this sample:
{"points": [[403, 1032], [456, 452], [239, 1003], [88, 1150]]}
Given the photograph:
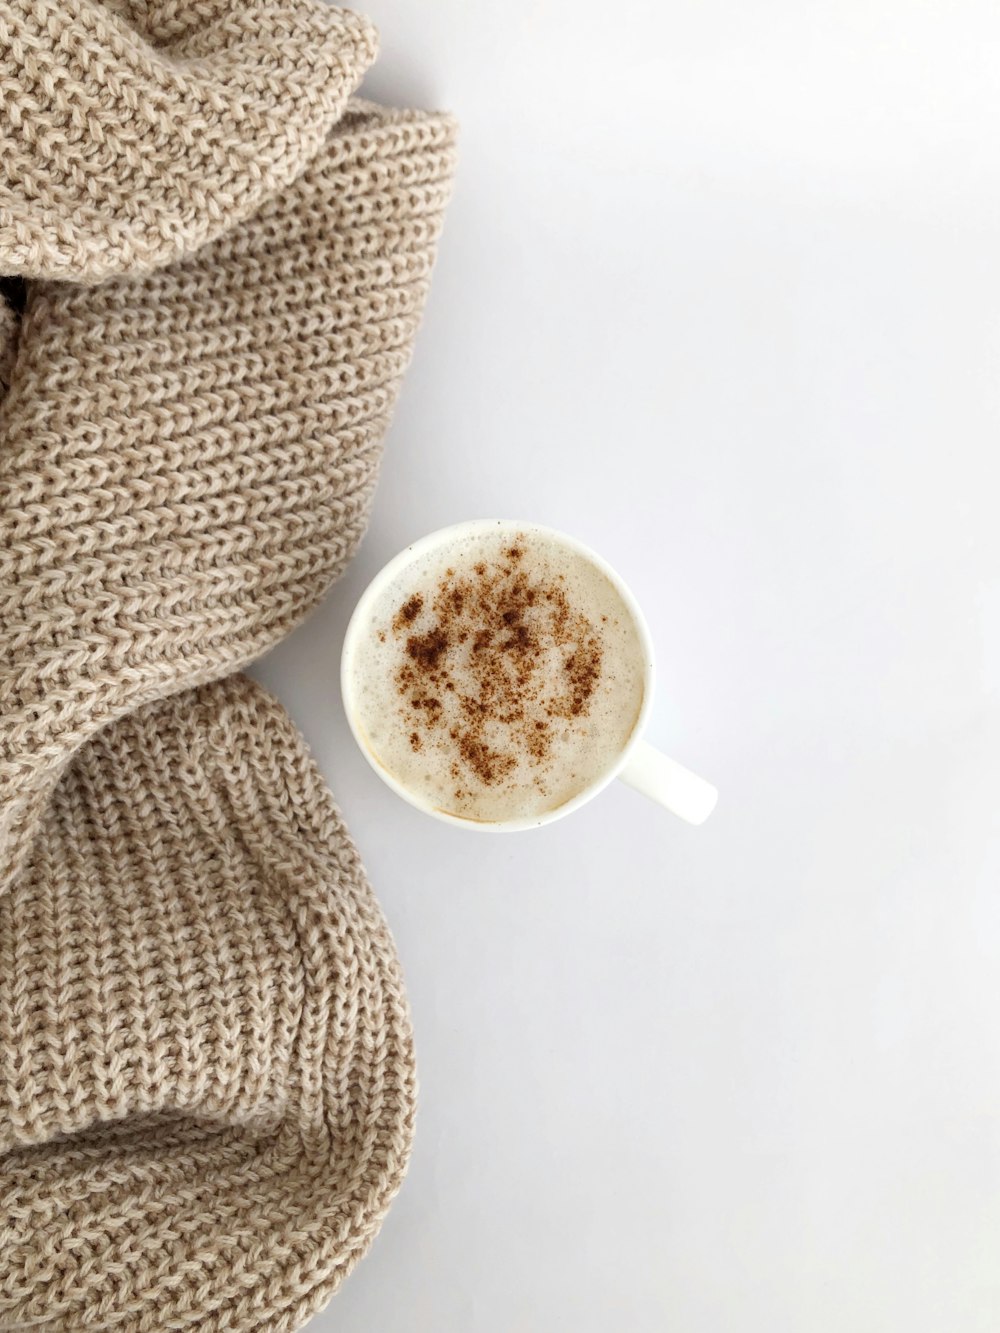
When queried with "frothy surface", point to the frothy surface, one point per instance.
{"points": [[498, 676]]}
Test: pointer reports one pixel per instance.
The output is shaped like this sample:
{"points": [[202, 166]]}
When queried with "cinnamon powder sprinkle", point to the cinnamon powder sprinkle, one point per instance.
{"points": [[408, 612], [512, 653]]}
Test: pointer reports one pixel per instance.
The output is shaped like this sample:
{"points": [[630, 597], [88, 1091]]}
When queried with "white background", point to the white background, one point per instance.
{"points": [[719, 293]]}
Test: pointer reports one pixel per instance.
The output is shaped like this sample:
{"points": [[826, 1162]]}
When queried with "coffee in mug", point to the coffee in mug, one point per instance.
{"points": [[497, 674]]}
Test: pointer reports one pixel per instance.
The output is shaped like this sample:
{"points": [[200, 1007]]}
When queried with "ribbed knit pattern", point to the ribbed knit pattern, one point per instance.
{"points": [[133, 132], [206, 1074], [207, 1088], [188, 457]]}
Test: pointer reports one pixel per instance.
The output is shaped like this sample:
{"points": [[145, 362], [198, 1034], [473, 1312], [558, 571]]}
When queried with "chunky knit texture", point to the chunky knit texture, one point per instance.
{"points": [[206, 1078], [133, 132], [207, 1088], [187, 458]]}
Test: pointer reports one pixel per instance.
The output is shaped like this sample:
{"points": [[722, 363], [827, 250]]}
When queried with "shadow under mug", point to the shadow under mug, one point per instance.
{"points": [[637, 763]]}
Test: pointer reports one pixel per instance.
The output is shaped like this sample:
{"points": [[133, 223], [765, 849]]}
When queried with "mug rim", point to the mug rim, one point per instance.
{"points": [[407, 556]]}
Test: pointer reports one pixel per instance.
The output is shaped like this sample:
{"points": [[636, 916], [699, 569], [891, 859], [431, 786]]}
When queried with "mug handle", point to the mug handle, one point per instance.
{"points": [[669, 783]]}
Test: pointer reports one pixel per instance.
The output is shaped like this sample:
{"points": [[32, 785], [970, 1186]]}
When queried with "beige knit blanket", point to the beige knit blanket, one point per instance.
{"points": [[214, 264]]}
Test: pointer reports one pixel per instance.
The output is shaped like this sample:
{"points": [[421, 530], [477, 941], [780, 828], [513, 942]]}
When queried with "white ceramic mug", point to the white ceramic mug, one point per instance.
{"points": [[638, 764]]}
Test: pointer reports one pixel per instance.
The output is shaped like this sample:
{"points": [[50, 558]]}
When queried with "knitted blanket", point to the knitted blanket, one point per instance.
{"points": [[214, 262]]}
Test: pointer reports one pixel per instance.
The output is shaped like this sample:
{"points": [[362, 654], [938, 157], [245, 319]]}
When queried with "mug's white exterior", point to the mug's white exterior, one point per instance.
{"points": [[359, 621]]}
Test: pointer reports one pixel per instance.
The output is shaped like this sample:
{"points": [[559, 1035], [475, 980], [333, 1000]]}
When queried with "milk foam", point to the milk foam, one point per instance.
{"points": [[498, 675]]}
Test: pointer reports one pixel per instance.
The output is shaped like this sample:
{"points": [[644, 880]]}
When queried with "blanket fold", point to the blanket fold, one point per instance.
{"points": [[214, 264]]}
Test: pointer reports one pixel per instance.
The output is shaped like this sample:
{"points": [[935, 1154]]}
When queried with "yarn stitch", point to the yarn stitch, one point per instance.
{"points": [[207, 1091], [206, 1069]]}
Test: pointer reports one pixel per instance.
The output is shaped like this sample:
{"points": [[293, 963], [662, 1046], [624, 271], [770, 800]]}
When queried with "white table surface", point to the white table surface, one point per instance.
{"points": [[720, 294]]}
